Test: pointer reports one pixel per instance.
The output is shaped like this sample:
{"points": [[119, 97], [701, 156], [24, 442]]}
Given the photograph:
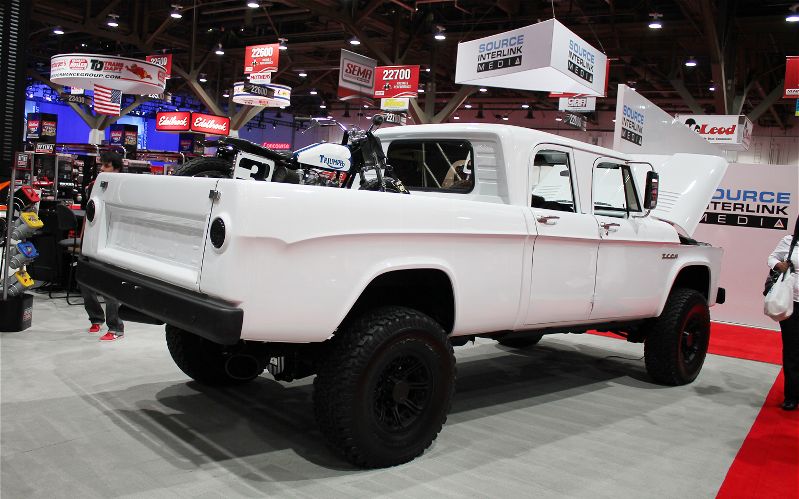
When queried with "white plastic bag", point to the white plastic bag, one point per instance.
{"points": [[779, 300]]}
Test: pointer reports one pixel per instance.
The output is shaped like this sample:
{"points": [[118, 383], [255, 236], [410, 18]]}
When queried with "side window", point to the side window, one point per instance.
{"points": [[435, 165], [552, 187], [614, 191]]}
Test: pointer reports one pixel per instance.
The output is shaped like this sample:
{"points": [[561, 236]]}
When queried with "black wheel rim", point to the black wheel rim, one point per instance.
{"points": [[693, 338], [402, 393]]}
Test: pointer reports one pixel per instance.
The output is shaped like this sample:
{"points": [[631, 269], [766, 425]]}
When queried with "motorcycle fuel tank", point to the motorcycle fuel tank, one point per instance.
{"points": [[325, 156]]}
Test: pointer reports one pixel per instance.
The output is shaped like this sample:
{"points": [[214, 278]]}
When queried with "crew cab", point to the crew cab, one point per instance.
{"points": [[508, 233]]}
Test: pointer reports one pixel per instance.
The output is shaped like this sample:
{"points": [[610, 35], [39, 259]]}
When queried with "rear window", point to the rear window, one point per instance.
{"points": [[435, 165]]}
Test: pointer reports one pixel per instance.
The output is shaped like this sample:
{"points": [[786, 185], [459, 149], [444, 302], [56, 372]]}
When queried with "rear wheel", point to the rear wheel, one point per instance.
{"points": [[677, 342], [210, 363], [205, 167], [384, 390]]}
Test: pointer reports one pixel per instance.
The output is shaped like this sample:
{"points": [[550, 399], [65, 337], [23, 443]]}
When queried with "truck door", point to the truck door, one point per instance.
{"points": [[628, 273], [565, 249]]}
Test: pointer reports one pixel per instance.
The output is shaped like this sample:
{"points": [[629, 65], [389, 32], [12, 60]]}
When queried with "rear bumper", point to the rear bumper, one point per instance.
{"points": [[196, 313]]}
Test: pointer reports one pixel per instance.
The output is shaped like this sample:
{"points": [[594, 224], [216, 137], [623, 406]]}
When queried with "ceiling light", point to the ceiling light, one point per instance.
{"points": [[354, 41], [655, 22], [691, 62], [366, 106], [712, 88], [175, 14], [83, 45], [226, 94], [313, 91], [302, 74], [58, 30], [219, 50], [793, 17], [525, 106], [253, 5], [427, 70], [558, 118], [203, 79], [483, 89], [468, 106], [113, 20], [439, 33], [505, 118], [282, 44], [421, 90], [323, 106], [456, 117]]}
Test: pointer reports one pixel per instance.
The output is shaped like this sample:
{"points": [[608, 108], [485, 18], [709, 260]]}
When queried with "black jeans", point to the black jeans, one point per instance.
{"points": [[790, 353], [95, 311]]}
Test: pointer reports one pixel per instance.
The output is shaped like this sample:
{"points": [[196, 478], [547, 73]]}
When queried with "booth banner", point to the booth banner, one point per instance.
{"points": [[177, 121], [395, 104], [644, 128], [752, 209], [731, 132], [396, 81], [575, 121], [44, 148], [356, 75], [260, 78], [577, 104], [164, 60], [544, 56], [791, 77], [210, 124], [131, 76], [42, 126], [261, 58], [266, 95]]}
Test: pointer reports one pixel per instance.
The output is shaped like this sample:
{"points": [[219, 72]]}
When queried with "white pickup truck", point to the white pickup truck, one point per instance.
{"points": [[508, 233]]}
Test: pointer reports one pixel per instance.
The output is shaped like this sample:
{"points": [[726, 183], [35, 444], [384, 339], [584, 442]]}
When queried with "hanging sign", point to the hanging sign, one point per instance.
{"points": [[75, 99], [173, 121], [164, 60], [261, 58], [731, 132], [267, 95], [791, 77], [260, 78], [395, 104], [395, 118], [796, 113], [577, 104], [575, 121], [131, 76], [543, 56], [356, 76], [396, 81], [166, 97], [210, 124]]}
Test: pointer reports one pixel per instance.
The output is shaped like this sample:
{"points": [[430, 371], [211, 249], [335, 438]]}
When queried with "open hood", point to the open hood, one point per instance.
{"points": [[687, 184]]}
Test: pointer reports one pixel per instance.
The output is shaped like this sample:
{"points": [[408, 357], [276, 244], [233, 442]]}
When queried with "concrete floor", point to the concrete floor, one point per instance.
{"points": [[572, 417]]}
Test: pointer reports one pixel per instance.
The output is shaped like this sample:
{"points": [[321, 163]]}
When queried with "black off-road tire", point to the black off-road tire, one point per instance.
{"points": [[677, 341], [210, 363], [525, 342], [392, 185], [384, 390], [205, 167]]}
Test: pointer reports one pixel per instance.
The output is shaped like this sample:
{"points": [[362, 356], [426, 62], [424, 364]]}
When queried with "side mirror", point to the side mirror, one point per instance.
{"points": [[651, 190]]}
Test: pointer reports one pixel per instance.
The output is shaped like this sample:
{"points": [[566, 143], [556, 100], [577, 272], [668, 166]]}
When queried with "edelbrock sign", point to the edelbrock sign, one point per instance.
{"points": [[543, 56], [731, 132]]}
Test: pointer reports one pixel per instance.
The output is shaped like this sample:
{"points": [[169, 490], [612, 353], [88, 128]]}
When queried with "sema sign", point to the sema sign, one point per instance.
{"points": [[731, 132], [356, 75], [261, 58], [396, 81]]}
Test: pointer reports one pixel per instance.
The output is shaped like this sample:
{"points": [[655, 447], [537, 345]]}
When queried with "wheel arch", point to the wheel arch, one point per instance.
{"points": [[690, 275]]}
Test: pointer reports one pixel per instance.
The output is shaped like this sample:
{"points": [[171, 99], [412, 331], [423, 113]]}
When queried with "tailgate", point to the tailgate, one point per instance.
{"points": [[151, 224]]}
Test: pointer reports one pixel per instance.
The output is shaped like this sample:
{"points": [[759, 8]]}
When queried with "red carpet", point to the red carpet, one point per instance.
{"points": [[767, 464]]}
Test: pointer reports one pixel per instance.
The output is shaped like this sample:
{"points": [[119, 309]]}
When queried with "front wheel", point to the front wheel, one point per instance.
{"points": [[677, 342], [384, 390]]}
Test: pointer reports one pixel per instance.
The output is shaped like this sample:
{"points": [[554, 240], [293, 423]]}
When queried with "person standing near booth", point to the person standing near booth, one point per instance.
{"points": [[110, 162], [779, 261]]}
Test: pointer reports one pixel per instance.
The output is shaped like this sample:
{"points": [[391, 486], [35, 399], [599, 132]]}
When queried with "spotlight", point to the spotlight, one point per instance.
{"points": [[691, 62], [58, 30], [655, 22], [354, 41], [302, 74], [282, 44], [439, 33], [112, 20], [525, 106], [483, 89], [219, 50], [175, 14], [253, 5], [793, 17]]}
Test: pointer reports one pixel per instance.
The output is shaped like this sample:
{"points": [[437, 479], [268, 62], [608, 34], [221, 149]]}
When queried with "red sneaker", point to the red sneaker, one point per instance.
{"points": [[95, 328], [110, 336]]}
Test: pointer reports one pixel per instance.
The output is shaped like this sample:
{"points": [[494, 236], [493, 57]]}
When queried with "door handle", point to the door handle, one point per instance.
{"points": [[548, 219], [610, 227]]}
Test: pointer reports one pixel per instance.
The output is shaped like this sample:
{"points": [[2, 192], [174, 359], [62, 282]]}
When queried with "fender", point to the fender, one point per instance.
{"points": [[687, 258]]}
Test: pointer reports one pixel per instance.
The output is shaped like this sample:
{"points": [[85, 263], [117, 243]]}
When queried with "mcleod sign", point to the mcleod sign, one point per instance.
{"points": [[544, 56], [731, 132]]}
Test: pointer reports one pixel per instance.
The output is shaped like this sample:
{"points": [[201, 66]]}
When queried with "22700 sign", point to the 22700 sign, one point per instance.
{"points": [[396, 81]]}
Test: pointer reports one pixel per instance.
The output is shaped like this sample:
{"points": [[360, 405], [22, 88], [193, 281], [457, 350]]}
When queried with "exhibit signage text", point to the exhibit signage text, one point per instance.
{"points": [[632, 125], [749, 208], [791, 77], [500, 53], [261, 58], [356, 75], [396, 81]]}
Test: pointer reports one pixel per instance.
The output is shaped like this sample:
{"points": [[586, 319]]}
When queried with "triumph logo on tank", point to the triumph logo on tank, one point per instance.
{"points": [[581, 61], [632, 125], [500, 53], [749, 208]]}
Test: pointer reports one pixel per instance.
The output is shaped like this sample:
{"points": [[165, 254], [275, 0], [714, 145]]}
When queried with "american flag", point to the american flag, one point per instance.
{"points": [[107, 100]]}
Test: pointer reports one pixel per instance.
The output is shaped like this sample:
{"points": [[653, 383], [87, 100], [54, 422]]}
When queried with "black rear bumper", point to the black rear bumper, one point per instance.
{"points": [[210, 318]]}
